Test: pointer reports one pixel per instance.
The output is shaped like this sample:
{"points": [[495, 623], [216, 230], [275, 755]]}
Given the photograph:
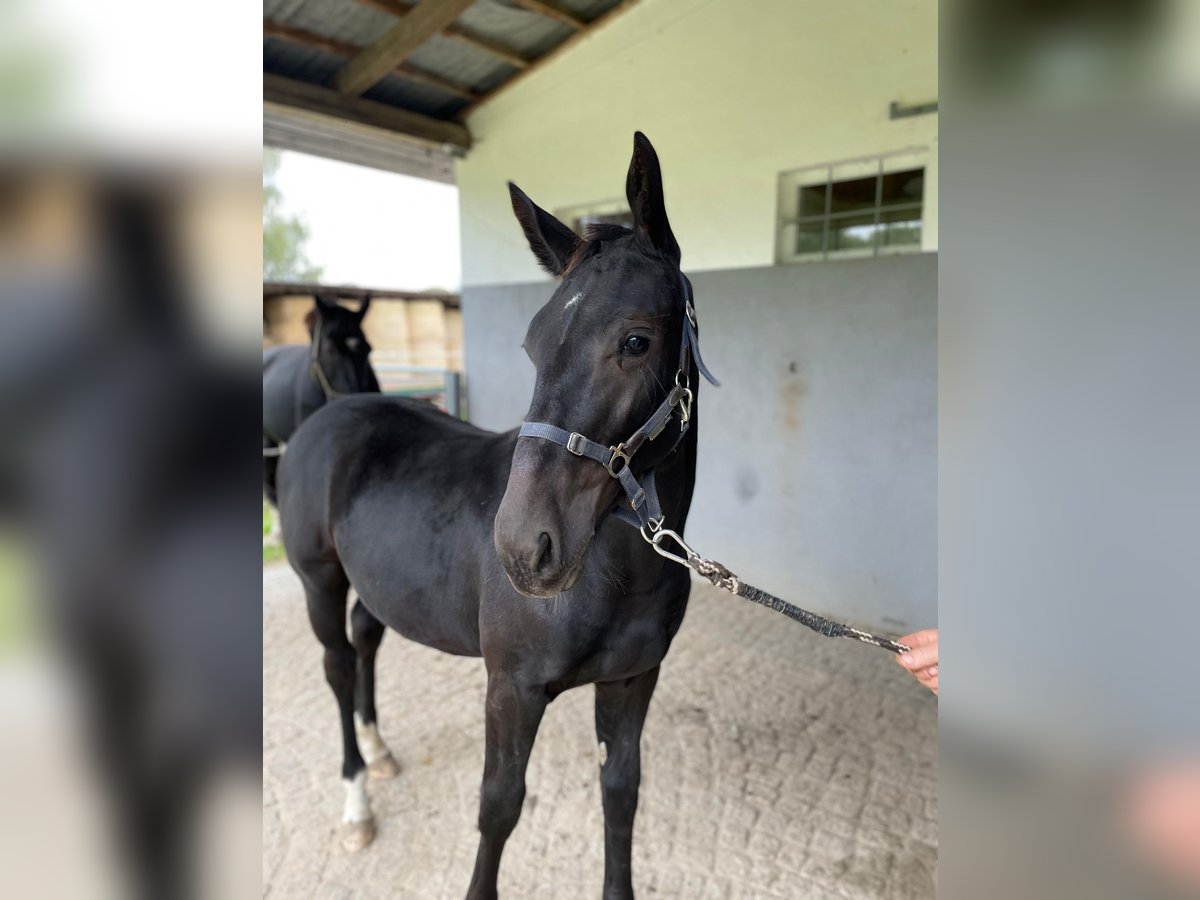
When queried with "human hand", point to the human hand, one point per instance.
{"points": [[1162, 815], [922, 659]]}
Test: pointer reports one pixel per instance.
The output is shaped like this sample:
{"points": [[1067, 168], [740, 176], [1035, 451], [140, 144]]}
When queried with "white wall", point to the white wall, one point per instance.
{"points": [[731, 93]]}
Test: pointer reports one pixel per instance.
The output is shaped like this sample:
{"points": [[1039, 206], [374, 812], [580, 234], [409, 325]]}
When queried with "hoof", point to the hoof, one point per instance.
{"points": [[357, 835], [384, 767]]}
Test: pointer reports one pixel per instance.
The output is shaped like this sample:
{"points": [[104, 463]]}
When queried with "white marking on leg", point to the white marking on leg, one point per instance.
{"points": [[603, 753], [573, 300], [358, 805], [369, 742]]}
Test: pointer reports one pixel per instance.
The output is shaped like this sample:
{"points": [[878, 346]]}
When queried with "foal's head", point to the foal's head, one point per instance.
{"points": [[339, 346], [606, 350]]}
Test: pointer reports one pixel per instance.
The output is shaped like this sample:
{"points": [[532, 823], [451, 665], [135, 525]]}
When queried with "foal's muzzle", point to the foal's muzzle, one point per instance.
{"points": [[534, 564], [546, 521]]}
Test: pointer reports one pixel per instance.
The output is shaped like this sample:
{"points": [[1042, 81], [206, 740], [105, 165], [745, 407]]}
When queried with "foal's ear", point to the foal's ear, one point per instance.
{"points": [[326, 303], [362, 309], [644, 191], [551, 241]]}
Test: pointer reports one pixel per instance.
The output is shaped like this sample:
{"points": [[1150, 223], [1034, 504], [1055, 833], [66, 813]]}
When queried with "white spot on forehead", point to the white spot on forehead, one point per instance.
{"points": [[573, 300]]}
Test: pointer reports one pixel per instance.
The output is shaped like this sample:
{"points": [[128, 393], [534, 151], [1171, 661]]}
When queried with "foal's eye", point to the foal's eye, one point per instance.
{"points": [[352, 344], [635, 344]]}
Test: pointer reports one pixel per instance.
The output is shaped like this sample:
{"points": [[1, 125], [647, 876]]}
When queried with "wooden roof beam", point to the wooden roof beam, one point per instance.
{"points": [[341, 48], [553, 11], [546, 59], [276, 289], [410, 32], [457, 33], [313, 98]]}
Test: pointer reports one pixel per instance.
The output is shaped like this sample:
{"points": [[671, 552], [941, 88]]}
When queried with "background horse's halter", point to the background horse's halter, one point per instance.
{"points": [[314, 364], [645, 511]]}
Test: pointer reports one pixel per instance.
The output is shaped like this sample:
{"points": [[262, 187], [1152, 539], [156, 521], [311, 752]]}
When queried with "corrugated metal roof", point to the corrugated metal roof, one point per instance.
{"points": [[454, 58], [282, 57], [346, 20], [587, 9], [399, 91], [295, 61], [460, 63], [498, 21], [527, 32]]}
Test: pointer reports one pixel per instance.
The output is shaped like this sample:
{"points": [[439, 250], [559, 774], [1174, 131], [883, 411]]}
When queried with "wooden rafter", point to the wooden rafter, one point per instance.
{"points": [[341, 48], [486, 45], [456, 33], [289, 92], [547, 58], [395, 45], [553, 11], [275, 289]]}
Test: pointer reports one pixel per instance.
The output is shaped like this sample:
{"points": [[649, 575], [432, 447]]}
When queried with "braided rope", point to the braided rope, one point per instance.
{"points": [[721, 577]]}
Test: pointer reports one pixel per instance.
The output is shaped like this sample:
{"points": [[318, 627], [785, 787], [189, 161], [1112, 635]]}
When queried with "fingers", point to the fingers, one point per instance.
{"points": [[931, 683], [920, 657], [920, 638], [928, 678]]}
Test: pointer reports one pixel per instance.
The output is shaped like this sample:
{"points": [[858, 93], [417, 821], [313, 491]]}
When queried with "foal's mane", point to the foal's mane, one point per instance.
{"points": [[595, 236]]}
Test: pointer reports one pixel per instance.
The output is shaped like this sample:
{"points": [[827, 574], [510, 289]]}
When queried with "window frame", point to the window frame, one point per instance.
{"points": [[788, 219]]}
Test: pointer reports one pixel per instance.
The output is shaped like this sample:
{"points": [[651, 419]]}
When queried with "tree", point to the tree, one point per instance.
{"points": [[284, 236]]}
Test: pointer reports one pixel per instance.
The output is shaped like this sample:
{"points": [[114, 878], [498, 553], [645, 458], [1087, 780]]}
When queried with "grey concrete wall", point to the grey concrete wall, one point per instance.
{"points": [[818, 454]]}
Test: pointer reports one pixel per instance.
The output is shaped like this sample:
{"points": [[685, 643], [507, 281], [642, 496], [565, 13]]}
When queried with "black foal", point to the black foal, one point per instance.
{"points": [[506, 546]]}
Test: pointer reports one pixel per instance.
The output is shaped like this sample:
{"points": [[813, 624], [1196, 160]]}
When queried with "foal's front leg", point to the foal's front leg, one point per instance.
{"points": [[514, 711], [620, 713]]}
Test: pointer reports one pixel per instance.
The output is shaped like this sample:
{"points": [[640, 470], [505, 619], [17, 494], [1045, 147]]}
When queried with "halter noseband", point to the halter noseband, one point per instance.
{"points": [[314, 364], [644, 508]]}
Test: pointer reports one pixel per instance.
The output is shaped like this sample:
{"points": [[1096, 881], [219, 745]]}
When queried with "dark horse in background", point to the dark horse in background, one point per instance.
{"points": [[492, 545], [298, 380]]}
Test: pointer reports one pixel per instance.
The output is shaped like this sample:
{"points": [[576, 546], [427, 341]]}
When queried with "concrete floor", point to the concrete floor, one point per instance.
{"points": [[776, 763]]}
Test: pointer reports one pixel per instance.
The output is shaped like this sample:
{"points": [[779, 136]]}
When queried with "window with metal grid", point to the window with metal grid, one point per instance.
{"points": [[856, 209]]}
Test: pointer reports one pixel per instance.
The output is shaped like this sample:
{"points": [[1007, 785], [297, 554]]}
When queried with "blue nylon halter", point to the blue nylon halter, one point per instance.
{"points": [[644, 506]]}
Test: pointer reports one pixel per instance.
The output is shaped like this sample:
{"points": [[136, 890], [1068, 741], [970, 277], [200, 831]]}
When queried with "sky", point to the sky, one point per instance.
{"points": [[373, 228]]}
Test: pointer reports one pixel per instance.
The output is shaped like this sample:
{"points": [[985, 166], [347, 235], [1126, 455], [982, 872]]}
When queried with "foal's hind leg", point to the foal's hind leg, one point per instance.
{"points": [[366, 633], [325, 589], [620, 713], [514, 711]]}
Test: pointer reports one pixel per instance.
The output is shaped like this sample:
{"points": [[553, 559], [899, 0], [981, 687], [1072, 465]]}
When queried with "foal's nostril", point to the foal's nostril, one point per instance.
{"points": [[544, 555]]}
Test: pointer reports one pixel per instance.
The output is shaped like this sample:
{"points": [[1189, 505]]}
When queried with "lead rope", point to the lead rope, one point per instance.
{"points": [[721, 577]]}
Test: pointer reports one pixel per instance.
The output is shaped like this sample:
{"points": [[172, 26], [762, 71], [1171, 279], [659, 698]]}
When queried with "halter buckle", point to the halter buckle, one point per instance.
{"points": [[575, 443], [618, 452]]}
